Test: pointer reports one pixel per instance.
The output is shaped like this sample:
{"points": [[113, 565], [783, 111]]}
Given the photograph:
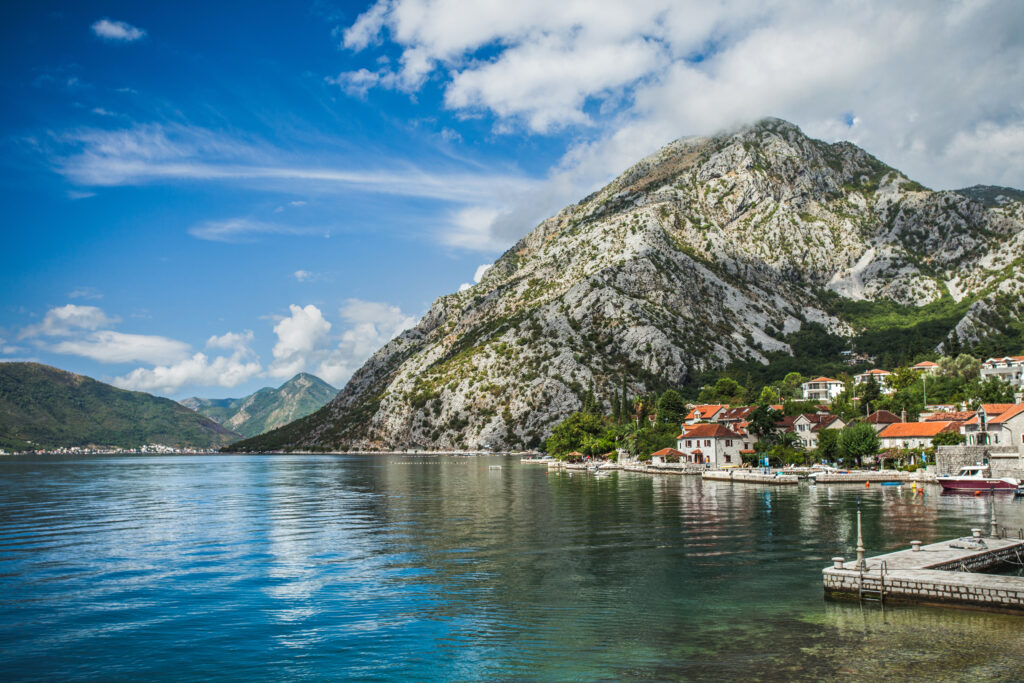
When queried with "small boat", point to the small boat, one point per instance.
{"points": [[975, 478]]}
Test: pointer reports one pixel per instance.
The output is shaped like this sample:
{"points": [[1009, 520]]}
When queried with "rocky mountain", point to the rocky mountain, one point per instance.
{"points": [[738, 248], [43, 407], [267, 408]]}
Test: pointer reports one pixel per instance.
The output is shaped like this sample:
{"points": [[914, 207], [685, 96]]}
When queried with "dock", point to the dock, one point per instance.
{"points": [[936, 574], [752, 477], [873, 476]]}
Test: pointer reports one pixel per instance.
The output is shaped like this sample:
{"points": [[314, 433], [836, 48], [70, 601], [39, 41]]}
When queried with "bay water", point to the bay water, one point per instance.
{"points": [[405, 567]]}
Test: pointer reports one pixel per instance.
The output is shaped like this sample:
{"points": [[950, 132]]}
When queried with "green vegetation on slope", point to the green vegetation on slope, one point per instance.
{"points": [[267, 408], [52, 408]]}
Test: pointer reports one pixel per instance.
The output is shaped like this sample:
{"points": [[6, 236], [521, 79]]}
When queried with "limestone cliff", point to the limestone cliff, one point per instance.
{"points": [[712, 250]]}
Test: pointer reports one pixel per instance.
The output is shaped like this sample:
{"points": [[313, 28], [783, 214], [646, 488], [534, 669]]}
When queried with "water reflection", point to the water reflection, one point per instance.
{"points": [[406, 567]]}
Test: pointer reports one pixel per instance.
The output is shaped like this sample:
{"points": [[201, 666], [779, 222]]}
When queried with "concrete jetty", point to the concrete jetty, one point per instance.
{"points": [[944, 573], [751, 477], [872, 476]]}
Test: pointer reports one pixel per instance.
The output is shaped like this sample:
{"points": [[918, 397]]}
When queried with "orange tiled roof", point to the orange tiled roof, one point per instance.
{"points": [[709, 431], [876, 371], [925, 364], [823, 379], [667, 451], [1006, 415], [706, 411], [916, 429], [997, 408]]}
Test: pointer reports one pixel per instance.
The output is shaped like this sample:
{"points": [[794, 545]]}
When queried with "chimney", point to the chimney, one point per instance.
{"points": [[903, 415]]}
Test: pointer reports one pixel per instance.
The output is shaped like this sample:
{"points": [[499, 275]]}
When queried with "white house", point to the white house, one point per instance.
{"points": [[712, 444], [986, 427], [808, 425], [1009, 369], [925, 366], [913, 434], [879, 376], [822, 389]]}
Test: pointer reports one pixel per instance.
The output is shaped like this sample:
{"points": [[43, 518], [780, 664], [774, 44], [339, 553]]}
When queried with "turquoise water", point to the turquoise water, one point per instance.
{"points": [[429, 568]]}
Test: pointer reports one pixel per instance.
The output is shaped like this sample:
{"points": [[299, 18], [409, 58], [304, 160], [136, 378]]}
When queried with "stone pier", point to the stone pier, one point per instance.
{"points": [[936, 574]]}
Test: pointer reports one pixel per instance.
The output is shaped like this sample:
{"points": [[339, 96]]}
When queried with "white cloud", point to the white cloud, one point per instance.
{"points": [[117, 30], [300, 338], [235, 230], [477, 276], [8, 348], [480, 271], [200, 370], [67, 320], [936, 93], [306, 345], [304, 275], [107, 346], [231, 341]]}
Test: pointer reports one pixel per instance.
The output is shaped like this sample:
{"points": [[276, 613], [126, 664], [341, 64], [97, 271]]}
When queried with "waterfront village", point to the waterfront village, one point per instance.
{"points": [[148, 449], [876, 418]]}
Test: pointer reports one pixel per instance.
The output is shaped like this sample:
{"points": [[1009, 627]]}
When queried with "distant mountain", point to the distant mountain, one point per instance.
{"points": [[992, 195], [268, 408], [43, 407], [760, 250]]}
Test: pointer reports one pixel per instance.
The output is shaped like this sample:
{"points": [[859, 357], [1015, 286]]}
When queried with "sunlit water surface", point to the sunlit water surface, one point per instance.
{"points": [[429, 568]]}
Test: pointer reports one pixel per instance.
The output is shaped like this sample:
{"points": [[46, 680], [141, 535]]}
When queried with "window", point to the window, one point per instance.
{"points": [[707, 442], [689, 444], [728, 442], [728, 459]]}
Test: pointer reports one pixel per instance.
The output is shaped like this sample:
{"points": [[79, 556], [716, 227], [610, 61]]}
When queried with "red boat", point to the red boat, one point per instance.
{"points": [[975, 478]]}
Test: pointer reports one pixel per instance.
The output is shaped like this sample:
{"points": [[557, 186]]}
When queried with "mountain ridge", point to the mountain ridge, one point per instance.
{"points": [[710, 252], [266, 408], [44, 406]]}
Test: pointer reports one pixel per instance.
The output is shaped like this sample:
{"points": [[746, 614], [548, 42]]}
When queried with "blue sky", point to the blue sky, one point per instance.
{"points": [[204, 198]]}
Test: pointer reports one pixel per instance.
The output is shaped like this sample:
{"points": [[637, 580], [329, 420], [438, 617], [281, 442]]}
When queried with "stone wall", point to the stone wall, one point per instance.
{"points": [[949, 459], [932, 587], [1007, 465]]}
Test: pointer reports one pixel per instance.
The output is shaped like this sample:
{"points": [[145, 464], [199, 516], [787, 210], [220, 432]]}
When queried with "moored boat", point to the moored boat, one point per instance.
{"points": [[975, 478]]}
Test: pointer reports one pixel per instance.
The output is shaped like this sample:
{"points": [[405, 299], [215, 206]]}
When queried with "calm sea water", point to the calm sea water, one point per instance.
{"points": [[430, 568]]}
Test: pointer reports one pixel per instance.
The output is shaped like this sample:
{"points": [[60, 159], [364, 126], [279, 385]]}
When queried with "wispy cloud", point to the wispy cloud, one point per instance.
{"points": [[117, 31], [236, 230], [85, 293]]}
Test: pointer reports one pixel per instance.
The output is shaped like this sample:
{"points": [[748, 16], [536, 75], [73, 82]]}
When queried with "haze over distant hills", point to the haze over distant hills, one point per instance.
{"points": [[44, 407], [267, 408], [754, 245]]}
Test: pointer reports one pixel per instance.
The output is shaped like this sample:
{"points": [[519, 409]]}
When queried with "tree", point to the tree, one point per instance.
{"points": [[791, 385], [762, 422], [993, 390], [948, 439], [590, 400], [725, 390], [828, 444], [903, 377], [768, 396], [858, 440], [573, 433], [964, 367], [671, 407], [871, 391]]}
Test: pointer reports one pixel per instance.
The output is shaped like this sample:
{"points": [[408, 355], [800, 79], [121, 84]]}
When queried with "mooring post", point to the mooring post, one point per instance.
{"points": [[861, 565], [995, 527]]}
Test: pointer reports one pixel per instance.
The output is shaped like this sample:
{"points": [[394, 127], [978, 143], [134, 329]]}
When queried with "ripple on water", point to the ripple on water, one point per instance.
{"points": [[397, 568]]}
